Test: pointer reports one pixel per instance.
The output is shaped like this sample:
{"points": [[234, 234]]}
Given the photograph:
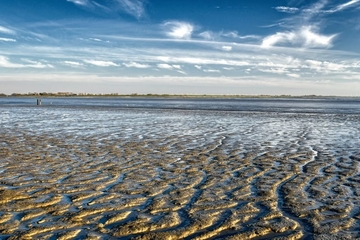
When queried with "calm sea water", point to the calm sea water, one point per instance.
{"points": [[285, 105]]}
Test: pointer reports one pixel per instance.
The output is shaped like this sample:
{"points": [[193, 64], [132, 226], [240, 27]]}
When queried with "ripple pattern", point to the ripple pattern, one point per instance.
{"points": [[162, 174]]}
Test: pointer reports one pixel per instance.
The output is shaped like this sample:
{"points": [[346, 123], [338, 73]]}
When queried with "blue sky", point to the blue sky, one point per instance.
{"points": [[293, 47]]}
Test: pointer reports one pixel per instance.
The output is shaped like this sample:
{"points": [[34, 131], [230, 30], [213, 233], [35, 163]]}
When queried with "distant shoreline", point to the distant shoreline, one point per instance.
{"points": [[220, 96]]}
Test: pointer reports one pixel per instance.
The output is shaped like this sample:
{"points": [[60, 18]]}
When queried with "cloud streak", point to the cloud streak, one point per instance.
{"points": [[210, 35], [346, 5], [178, 30], [287, 9], [73, 64], [84, 3], [101, 63], [7, 40], [7, 30], [6, 63], [305, 27], [135, 8], [305, 37], [165, 66], [136, 65]]}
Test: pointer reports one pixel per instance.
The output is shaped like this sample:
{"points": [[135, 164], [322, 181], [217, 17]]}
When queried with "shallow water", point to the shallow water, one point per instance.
{"points": [[291, 105], [151, 172]]}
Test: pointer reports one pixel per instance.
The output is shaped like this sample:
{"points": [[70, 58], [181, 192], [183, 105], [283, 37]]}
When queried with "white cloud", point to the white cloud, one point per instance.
{"points": [[95, 39], [208, 35], [211, 71], [279, 37], [73, 64], [327, 67], [293, 75], [168, 66], [4, 62], [345, 5], [179, 30], [80, 2], [36, 64], [7, 30], [7, 40], [314, 40], [287, 9], [182, 72], [275, 70], [315, 9], [211, 36], [165, 66], [136, 65], [313, 63], [304, 37], [135, 8], [198, 67], [234, 34], [226, 48], [203, 60], [101, 63], [176, 66], [228, 68]]}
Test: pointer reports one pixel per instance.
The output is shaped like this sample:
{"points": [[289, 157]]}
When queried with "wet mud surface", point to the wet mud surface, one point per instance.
{"points": [[162, 174]]}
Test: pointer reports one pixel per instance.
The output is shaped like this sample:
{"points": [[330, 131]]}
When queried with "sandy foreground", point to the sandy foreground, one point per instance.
{"points": [[240, 176]]}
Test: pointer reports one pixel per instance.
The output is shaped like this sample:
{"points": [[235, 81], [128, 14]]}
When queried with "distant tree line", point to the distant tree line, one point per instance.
{"points": [[70, 94]]}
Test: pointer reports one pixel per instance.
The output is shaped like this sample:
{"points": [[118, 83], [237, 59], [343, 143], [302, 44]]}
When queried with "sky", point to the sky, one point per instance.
{"points": [[295, 47]]}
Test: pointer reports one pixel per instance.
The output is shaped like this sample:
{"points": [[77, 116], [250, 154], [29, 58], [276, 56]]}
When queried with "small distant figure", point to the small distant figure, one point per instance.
{"points": [[38, 101]]}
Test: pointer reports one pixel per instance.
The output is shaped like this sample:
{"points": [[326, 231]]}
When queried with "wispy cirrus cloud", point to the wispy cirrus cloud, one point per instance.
{"points": [[293, 75], [7, 39], [136, 65], [306, 37], [320, 8], [135, 8], [304, 29], [164, 66], [36, 64], [287, 9], [175, 67], [80, 2], [274, 70], [212, 71], [101, 63], [6, 63], [73, 64], [226, 48], [7, 30], [235, 34], [346, 5], [210, 35], [208, 60], [178, 30]]}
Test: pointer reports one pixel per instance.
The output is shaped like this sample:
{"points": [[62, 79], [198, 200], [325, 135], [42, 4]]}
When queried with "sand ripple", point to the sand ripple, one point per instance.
{"points": [[184, 175]]}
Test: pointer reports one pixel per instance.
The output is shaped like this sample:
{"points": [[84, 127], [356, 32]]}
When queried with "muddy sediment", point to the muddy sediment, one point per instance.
{"points": [[245, 177]]}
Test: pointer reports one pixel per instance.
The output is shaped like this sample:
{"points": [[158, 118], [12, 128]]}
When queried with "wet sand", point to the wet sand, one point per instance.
{"points": [[232, 176]]}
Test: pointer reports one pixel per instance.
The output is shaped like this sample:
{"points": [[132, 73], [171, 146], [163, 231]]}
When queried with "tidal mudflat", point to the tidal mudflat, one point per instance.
{"points": [[97, 173]]}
